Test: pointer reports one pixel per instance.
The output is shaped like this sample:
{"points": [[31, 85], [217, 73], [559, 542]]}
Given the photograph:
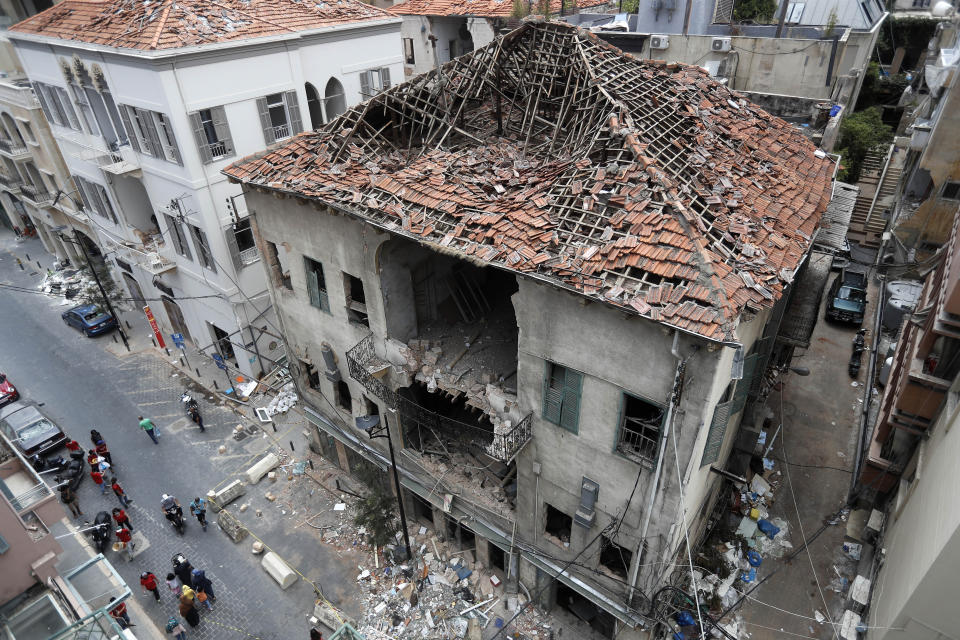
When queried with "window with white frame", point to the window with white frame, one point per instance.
{"points": [[240, 242], [212, 134], [95, 198], [409, 56], [373, 81], [279, 116]]}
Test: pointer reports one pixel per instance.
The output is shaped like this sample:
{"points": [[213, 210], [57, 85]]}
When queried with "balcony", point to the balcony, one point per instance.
{"points": [[146, 255], [14, 150], [118, 161], [10, 184], [20, 484], [39, 197], [502, 440]]}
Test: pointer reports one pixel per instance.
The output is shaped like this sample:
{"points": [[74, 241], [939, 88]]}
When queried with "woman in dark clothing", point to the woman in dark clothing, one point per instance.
{"points": [[189, 611], [202, 583], [183, 569]]}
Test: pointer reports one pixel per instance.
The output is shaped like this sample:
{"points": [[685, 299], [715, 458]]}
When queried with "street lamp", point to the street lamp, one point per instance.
{"points": [[374, 429], [75, 240]]}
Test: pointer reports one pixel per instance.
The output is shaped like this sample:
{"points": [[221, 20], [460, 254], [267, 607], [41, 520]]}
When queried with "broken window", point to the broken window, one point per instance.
{"points": [[640, 423], [204, 254], [152, 133], [240, 242], [356, 300], [408, 55], [951, 191], [279, 116], [561, 396], [453, 49], [373, 81], [281, 278], [498, 558], [615, 558], [558, 525], [422, 510], [316, 285], [343, 397], [370, 408]]}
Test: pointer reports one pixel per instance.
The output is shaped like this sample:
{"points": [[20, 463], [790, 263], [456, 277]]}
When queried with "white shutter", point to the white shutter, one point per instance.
{"points": [[293, 112], [200, 138], [264, 112], [364, 85], [222, 127]]}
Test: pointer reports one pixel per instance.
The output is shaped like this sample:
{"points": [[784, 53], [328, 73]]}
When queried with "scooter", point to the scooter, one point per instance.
{"points": [[193, 409], [853, 367], [73, 472], [102, 531], [174, 513]]}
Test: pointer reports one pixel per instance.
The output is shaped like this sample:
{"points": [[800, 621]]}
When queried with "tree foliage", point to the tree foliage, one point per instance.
{"points": [[759, 11], [90, 293], [860, 133], [880, 89], [911, 32], [377, 510]]}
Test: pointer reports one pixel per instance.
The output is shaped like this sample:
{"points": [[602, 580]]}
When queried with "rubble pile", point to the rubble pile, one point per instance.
{"points": [[66, 282], [283, 401]]}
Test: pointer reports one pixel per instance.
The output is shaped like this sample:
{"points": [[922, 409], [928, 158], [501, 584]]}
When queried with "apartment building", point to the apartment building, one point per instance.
{"points": [[912, 458], [559, 300], [149, 101]]}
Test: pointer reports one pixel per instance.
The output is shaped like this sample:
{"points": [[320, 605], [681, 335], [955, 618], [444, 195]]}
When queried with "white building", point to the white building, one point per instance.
{"points": [[149, 101]]}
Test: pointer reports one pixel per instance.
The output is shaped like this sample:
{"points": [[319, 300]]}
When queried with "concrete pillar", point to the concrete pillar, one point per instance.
{"points": [[898, 55], [439, 522], [482, 552], [342, 457]]}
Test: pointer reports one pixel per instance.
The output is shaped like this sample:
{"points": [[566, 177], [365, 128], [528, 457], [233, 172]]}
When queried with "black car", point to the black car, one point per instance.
{"points": [[30, 430]]}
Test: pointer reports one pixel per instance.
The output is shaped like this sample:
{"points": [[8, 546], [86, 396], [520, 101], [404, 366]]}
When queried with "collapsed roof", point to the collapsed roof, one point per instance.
{"points": [[550, 153], [171, 24], [479, 8]]}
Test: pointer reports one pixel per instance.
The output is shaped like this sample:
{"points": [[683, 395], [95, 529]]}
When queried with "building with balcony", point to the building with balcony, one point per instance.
{"points": [[559, 291], [32, 171], [147, 109]]}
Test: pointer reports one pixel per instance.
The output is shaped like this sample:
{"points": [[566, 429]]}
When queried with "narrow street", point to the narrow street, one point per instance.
{"points": [[84, 386]]}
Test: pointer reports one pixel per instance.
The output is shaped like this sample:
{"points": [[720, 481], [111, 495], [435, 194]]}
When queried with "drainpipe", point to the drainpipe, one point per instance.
{"points": [[634, 574]]}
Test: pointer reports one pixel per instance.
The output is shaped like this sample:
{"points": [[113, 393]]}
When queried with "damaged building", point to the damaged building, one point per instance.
{"points": [[555, 272]]}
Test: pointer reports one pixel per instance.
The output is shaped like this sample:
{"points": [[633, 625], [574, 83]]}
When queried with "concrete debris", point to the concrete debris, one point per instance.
{"points": [[282, 402]]}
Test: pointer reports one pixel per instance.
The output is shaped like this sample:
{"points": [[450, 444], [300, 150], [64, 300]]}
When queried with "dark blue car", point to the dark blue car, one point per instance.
{"points": [[90, 319]]}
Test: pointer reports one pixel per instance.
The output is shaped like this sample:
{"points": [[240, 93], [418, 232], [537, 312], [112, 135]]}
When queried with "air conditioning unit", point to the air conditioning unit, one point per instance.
{"points": [[659, 42], [720, 44]]}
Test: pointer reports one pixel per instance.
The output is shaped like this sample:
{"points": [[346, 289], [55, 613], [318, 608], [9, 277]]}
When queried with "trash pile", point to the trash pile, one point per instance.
{"points": [[65, 282], [283, 401]]}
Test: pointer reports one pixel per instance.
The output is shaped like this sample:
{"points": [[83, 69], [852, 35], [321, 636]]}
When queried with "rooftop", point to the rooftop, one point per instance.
{"points": [[171, 24], [550, 153], [480, 8]]}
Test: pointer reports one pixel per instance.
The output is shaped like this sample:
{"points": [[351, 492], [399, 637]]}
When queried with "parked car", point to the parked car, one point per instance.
{"points": [[848, 295], [90, 319], [30, 430], [8, 392]]}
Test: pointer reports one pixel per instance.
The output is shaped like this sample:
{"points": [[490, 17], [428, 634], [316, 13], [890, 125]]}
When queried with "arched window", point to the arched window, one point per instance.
{"points": [[315, 106], [334, 99]]}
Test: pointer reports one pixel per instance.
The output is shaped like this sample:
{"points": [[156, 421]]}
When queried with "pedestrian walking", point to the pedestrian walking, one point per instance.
{"points": [[72, 446], [104, 452], [119, 492], [93, 459], [126, 542], [120, 614], [189, 611], [148, 582], [204, 588], [183, 569], [69, 498], [123, 520], [98, 479], [95, 437], [174, 627], [199, 509], [103, 466], [173, 583], [151, 429]]}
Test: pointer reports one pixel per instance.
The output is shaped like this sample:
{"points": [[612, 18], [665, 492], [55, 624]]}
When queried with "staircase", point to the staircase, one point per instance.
{"points": [[879, 188], [868, 183]]}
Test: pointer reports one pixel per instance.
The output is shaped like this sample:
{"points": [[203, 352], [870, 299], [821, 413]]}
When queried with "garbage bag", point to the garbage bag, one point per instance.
{"points": [[768, 528]]}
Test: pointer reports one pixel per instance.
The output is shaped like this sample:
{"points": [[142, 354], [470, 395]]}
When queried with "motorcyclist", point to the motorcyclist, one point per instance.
{"points": [[172, 510], [198, 507]]}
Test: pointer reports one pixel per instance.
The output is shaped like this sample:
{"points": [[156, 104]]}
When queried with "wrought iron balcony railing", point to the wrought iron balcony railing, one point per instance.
{"points": [[38, 196], [362, 362], [10, 184], [13, 148]]}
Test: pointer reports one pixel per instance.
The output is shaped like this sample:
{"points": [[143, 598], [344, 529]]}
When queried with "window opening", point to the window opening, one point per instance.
{"points": [[177, 237], [278, 115], [281, 278], [203, 248], [313, 375], [640, 428], [557, 525], [316, 284], [498, 557], [356, 300], [422, 510], [615, 558], [343, 397], [951, 191], [408, 54]]}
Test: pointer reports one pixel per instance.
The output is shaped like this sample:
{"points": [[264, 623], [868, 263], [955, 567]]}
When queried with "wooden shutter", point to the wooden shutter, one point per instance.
{"points": [[385, 78], [82, 190], [718, 429], [570, 410], [293, 112], [231, 237], [200, 138], [552, 399], [743, 386], [37, 89], [104, 200], [174, 147], [68, 108], [268, 136], [364, 85], [153, 139], [762, 348], [128, 125], [313, 284], [222, 128]]}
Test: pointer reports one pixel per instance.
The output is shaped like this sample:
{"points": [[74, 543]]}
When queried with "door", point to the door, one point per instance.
{"points": [[134, 288], [177, 323], [222, 339]]}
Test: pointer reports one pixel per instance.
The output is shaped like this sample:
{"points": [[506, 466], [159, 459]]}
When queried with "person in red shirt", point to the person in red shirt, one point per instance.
{"points": [[123, 520], [98, 478], [93, 460], [118, 491], [120, 614], [104, 453], [73, 445], [123, 535], [149, 583]]}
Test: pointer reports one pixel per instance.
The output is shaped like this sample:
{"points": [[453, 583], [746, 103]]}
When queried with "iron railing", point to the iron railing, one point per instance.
{"points": [[281, 131], [12, 184], [12, 147], [38, 196], [502, 446], [249, 256], [30, 497]]}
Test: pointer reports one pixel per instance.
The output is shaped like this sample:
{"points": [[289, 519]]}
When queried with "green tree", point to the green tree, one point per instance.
{"points": [[760, 11], [90, 293], [520, 9], [377, 510], [860, 133]]}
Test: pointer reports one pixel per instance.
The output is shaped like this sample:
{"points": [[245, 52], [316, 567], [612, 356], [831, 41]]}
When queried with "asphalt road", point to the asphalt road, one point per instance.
{"points": [[84, 386]]}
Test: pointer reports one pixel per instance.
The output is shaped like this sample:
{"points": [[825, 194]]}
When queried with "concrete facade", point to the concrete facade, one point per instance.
{"points": [[620, 356], [462, 33], [177, 228]]}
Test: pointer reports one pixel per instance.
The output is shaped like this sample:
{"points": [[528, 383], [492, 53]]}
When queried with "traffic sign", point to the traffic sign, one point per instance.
{"points": [[177, 340]]}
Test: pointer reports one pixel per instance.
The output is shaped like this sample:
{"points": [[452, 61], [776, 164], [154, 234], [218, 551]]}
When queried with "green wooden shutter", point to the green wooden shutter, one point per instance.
{"points": [[200, 138], [153, 138], [313, 285], [552, 399], [265, 123], [718, 429], [293, 111], [570, 410], [743, 386]]}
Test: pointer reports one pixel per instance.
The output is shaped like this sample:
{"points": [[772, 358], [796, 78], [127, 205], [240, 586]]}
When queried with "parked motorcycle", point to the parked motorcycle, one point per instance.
{"points": [[856, 357], [173, 512], [74, 472], [193, 409], [101, 531]]}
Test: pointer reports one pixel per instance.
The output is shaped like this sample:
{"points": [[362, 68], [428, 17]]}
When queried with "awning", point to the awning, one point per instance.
{"points": [[832, 235], [801, 316]]}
